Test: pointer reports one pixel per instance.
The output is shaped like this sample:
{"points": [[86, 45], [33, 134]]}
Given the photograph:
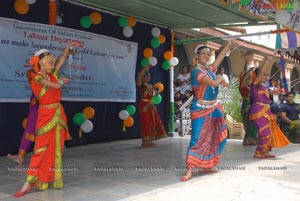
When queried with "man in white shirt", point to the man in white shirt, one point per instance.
{"points": [[224, 75]]}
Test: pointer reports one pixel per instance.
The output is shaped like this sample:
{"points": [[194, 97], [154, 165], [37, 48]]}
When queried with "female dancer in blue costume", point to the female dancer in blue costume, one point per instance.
{"points": [[209, 131]]}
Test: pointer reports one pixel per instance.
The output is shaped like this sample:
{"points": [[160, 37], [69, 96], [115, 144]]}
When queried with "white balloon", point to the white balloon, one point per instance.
{"points": [[123, 114], [153, 61], [127, 32], [174, 61], [30, 1], [87, 126], [155, 31], [282, 16]]}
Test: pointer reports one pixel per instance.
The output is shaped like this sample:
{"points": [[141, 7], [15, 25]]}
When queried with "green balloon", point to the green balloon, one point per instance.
{"points": [[166, 65], [130, 109], [155, 42], [156, 99], [123, 22], [145, 62], [79, 119], [244, 2], [85, 22]]}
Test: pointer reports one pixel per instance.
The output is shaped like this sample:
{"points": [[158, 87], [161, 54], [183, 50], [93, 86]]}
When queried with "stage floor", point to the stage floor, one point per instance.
{"points": [[122, 170]]}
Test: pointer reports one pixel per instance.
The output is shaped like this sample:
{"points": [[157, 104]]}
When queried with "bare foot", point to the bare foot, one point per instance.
{"points": [[267, 155], [148, 145], [26, 188], [187, 177], [15, 158]]}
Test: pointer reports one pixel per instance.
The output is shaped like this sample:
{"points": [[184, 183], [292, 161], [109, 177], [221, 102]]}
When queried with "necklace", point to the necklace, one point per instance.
{"points": [[205, 71], [44, 76]]}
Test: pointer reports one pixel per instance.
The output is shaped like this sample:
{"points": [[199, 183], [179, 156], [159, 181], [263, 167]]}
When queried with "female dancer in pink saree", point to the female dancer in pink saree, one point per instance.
{"points": [[269, 135]]}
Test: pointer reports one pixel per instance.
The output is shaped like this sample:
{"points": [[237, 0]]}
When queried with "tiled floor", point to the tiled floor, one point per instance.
{"points": [[124, 171]]}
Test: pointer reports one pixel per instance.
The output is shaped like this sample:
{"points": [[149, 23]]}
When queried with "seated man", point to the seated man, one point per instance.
{"points": [[289, 112]]}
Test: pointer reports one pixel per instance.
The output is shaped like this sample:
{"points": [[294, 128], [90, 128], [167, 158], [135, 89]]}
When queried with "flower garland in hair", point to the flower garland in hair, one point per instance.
{"points": [[29, 74], [34, 61]]}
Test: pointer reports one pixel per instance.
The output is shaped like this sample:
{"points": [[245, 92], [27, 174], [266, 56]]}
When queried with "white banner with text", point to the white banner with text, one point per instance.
{"points": [[103, 69]]}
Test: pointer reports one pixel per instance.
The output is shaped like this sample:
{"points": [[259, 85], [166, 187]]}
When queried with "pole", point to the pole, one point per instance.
{"points": [[227, 37], [171, 120]]}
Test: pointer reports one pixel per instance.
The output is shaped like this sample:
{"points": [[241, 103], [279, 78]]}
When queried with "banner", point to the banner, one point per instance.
{"points": [[102, 70]]}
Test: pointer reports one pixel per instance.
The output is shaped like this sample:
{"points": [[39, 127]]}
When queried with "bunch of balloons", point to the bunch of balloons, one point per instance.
{"points": [[158, 38], [127, 23], [156, 99], [125, 115], [83, 119], [169, 60], [93, 18], [149, 59]]}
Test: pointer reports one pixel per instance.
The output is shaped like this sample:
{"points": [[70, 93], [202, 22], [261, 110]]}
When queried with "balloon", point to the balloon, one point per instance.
{"points": [[130, 109], [160, 86], [30, 1], [245, 2], [156, 99], [282, 16], [131, 21], [85, 22], [168, 55], [24, 122], [155, 42], [166, 65], [95, 17], [21, 7], [174, 61], [123, 22], [177, 124], [153, 61], [145, 62], [129, 122], [79, 118], [127, 32], [88, 112], [123, 114], [87, 126], [162, 39], [155, 31], [148, 52]]}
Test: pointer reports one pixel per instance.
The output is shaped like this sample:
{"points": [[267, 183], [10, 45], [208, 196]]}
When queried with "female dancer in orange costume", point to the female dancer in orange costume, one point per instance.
{"points": [[51, 127], [151, 124]]}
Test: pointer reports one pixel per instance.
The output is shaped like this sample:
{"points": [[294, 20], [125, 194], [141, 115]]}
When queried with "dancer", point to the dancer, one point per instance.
{"points": [[152, 127], [269, 134], [51, 128], [29, 132], [209, 131], [250, 137]]}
